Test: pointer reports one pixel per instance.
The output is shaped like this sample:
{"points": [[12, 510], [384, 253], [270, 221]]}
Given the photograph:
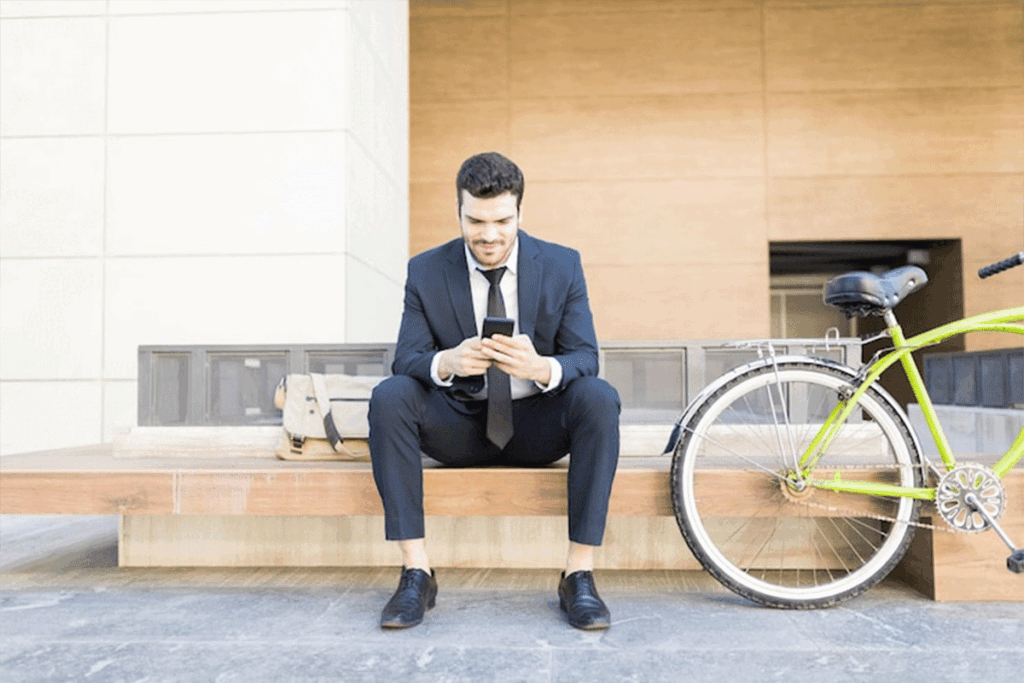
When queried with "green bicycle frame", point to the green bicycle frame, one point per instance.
{"points": [[1006, 320]]}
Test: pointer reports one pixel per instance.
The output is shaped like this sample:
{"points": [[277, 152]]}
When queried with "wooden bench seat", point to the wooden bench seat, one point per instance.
{"points": [[251, 509], [92, 481]]}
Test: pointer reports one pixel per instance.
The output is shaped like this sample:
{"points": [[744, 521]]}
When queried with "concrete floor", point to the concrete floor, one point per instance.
{"points": [[68, 613]]}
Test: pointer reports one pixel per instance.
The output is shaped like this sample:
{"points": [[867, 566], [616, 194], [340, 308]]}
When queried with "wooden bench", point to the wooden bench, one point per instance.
{"points": [[238, 507]]}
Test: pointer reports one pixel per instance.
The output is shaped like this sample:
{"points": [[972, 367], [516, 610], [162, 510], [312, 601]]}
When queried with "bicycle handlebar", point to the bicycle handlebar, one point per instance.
{"points": [[999, 267]]}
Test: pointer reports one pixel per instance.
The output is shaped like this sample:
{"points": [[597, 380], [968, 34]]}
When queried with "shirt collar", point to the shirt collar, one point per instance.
{"points": [[512, 263]]}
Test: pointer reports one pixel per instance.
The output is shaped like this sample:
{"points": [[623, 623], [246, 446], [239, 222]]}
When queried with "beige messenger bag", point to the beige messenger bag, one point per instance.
{"points": [[325, 416]]}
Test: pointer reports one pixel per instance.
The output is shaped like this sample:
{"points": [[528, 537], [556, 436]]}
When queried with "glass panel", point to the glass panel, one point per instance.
{"points": [[347, 363], [721, 361], [242, 388], [618, 371], [964, 384], [663, 378], [993, 381], [1016, 380], [938, 379], [170, 389], [651, 384]]}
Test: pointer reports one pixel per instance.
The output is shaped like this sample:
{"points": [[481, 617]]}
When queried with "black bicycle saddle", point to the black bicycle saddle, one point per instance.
{"points": [[861, 294]]}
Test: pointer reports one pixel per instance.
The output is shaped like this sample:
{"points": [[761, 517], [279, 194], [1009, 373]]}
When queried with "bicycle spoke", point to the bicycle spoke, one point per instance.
{"points": [[749, 565], [741, 457], [852, 546], [785, 415]]}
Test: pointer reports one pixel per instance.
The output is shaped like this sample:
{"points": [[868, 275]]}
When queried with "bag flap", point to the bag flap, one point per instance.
{"points": [[300, 414], [351, 387], [349, 400], [351, 418]]}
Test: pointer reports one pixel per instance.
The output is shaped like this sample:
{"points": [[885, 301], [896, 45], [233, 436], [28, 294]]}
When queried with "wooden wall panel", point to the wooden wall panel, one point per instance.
{"points": [[651, 221], [433, 211], [419, 9], [680, 302], [854, 120], [886, 132], [1002, 291], [549, 7], [985, 208], [458, 58], [1004, 235], [807, 4], [652, 53], [879, 47], [639, 137], [443, 135]]}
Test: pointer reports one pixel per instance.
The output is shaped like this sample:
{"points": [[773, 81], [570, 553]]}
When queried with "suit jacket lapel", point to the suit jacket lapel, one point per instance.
{"points": [[531, 274], [456, 276]]}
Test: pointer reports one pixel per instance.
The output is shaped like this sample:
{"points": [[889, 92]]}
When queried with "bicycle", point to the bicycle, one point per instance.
{"points": [[797, 481]]}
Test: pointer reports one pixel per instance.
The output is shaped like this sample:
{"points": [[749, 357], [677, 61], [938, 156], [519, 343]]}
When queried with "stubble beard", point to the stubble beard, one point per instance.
{"points": [[490, 260]]}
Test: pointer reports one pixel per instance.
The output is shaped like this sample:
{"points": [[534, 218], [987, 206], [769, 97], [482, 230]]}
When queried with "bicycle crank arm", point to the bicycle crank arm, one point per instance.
{"points": [[1015, 562]]}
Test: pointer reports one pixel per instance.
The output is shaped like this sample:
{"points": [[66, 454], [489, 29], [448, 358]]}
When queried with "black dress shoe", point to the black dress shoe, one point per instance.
{"points": [[577, 596], [416, 593]]}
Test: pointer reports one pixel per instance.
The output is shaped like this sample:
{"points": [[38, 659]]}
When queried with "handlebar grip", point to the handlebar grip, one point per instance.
{"points": [[1005, 264]]}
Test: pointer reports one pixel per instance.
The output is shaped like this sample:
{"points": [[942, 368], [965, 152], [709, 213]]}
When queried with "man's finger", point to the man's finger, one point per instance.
{"points": [[503, 344], [475, 368], [498, 356]]}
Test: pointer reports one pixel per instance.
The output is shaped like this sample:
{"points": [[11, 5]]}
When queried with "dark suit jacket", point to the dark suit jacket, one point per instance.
{"points": [[553, 311]]}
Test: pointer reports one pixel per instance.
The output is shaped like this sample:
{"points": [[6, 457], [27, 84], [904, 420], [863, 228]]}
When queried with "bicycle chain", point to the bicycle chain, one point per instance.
{"points": [[881, 518]]}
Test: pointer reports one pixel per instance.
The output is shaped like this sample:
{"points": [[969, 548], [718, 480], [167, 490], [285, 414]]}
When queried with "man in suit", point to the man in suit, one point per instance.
{"points": [[527, 399]]}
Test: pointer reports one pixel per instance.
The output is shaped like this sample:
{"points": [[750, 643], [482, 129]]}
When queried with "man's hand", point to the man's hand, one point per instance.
{"points": [[465, 360], [516, 356]]}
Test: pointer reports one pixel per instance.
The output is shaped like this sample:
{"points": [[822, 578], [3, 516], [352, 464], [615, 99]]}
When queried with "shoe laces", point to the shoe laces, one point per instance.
{"points": [[408, 579]]}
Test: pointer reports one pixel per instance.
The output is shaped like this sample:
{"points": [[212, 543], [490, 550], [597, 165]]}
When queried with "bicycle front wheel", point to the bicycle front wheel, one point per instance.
{"points": [[749, 519]]}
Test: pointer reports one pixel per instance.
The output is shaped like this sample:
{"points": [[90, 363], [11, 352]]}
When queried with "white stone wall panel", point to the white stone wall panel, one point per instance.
{"points": [[51, 196], [227, 194]]}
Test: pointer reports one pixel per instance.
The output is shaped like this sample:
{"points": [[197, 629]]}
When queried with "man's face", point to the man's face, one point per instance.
{"points": [[489, 227]]}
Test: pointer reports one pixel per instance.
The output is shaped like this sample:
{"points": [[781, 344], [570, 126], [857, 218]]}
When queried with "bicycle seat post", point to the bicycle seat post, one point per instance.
{"points": [[889, 316]]}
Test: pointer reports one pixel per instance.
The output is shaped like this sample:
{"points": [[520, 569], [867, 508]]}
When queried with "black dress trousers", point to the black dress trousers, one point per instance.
{"points": [[582, 420]]}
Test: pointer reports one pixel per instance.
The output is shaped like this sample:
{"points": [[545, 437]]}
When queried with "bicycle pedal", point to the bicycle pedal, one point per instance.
{"points": [[1015, 562]]}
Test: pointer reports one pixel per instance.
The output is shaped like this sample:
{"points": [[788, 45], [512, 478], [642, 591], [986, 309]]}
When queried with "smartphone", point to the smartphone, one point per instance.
{"points": [[493, 326]]}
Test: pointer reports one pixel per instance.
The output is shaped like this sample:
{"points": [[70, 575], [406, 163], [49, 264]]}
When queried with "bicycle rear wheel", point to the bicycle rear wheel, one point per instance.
{"points": [[752, 528]]}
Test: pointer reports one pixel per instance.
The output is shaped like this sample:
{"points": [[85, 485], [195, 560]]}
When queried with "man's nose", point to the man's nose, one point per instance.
{"points": [[489, 232]]}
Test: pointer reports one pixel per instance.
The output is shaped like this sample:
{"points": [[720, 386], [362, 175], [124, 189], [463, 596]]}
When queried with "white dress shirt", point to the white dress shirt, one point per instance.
{"points": [[479, 288]]}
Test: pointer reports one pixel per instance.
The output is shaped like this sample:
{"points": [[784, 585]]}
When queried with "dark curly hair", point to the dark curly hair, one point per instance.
{"points": [[488, 175]]}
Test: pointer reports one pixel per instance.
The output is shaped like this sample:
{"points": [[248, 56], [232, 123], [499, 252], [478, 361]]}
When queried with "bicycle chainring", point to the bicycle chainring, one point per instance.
{"points": [[953, 489]]}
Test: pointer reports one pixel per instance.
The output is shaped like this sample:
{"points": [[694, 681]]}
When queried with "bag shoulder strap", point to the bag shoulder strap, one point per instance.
{"points": [[323, 400]]}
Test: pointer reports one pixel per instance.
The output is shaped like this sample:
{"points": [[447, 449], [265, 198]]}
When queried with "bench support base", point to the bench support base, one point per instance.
{"points": [[952, 567], [358, 541]]}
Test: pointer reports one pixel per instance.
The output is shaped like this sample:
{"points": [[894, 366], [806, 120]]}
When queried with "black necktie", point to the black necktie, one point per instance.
{"points": [[499, 387]]}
